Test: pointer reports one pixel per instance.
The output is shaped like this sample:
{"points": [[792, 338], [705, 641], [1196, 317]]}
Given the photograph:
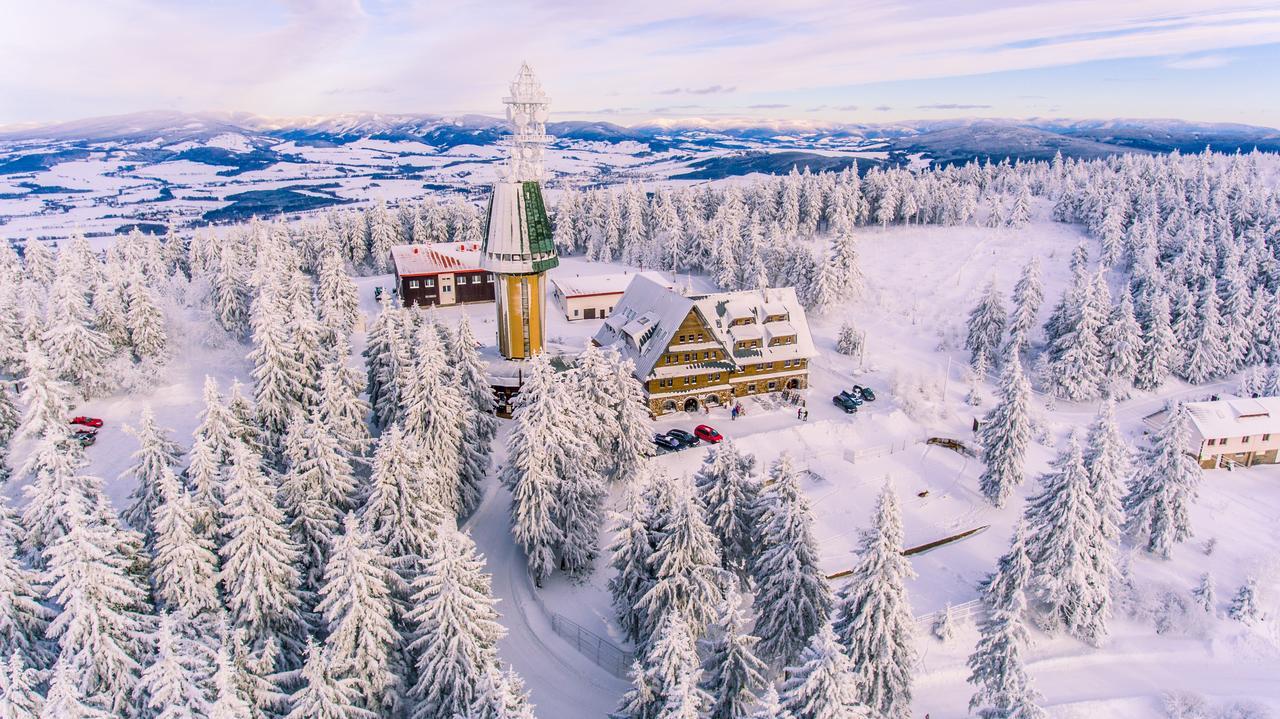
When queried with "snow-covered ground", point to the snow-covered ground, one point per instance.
{"points": [[920, 283]]}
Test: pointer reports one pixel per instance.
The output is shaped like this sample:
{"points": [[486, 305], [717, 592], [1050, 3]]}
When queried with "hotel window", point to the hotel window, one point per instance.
{"points": [[1212, 442], [706, 355], [773, 386], [1244, 439], [462, 279], [413, 284], [1222, 441], [686, 356], [488, 278], [575, 313], [431, 282], [446, 288], [1266, 437]]}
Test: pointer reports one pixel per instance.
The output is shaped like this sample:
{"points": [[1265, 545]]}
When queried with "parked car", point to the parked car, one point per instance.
{"points": [[845, 402], [85, 437], [854, 397], [683, 437], [867, 394], [87, 421], [707, 433], [665, 441]]}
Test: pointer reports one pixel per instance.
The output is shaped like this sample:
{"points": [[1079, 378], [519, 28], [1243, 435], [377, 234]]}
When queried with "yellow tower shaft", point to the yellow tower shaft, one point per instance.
{"points": [[520, 310]]}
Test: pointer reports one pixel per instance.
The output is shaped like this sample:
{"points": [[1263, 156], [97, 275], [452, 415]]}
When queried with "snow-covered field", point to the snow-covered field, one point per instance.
{"points": [[920, 283]]}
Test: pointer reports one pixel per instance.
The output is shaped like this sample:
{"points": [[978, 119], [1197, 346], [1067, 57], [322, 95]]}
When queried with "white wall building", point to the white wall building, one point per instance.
{"points": [[1235, 430], [589, 297]]}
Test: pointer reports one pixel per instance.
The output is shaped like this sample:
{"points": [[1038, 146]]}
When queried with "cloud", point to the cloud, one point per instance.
{"points": [[670, 108], [708, 90], [952, 106], [883, 108], [768, 106], [1204, 62]]}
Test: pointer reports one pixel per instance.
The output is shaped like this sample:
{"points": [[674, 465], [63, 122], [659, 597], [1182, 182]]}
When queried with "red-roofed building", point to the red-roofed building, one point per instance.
{"points": [[442, 273]]}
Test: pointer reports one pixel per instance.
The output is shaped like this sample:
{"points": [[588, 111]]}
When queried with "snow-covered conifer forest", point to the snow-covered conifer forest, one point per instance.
{"points": [[301, 505]]}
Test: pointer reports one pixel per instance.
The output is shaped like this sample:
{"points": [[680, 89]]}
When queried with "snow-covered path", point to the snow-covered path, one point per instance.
{"points": [[562, 683]]}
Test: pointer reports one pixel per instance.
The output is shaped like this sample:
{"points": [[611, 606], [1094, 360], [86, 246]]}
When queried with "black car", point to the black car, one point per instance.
{"points": [[853, 396], [666, 442], [845, 402], [682, 437], [868, 395]]}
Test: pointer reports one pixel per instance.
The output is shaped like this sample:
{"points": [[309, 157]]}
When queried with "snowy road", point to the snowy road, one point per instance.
{"points": [[562, 683]]}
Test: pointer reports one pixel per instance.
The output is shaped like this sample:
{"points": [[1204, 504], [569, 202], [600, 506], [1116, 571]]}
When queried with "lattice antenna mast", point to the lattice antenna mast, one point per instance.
{"points": [[527, 112]]}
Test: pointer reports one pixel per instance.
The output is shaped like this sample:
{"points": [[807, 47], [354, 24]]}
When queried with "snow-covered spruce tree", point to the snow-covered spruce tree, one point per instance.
{"points": [[1205, 593], [102, 623], [24, 619], [279, 377], [146, 323], [259, 563], [230, 700], [531, 472], [1002, 688], [687, 577], [217, 424], [433, 410], [1076, 368], [669, 666], [337, 298], [382, 237], [184, 565], [170, 686], [66, 698], [383, 348], [1005, 432], [323, 694], [482, 426], [1244, 605], [822, 682], [1206, 353], [397, 510], [1157, 505], [633, 573], [731, 673], [1070, 577], [730, 493], [986, 326], [501, 696], [77, 350], [770, 706], [615, 412], [230, 292], [873, 620], [1159, 352], [849, 341], [357, 610], [341, 409], [39, 263], [46, 399], [1020, 213], [19, 695], [203, 478], [1107, 460], [793, 599], [944, 625], [316, 489], [1122, 342], [456, 628], [57, 489], [156, 454], [307, 336]]}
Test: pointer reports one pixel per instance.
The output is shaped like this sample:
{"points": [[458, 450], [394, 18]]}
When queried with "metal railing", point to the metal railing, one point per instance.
{"points": [[964, 610], [606, 654], [853, 456]]}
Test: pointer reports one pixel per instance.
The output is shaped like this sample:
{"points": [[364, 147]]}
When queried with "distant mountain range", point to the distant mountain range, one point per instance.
{"points": [[162, 170], [937, 140]]}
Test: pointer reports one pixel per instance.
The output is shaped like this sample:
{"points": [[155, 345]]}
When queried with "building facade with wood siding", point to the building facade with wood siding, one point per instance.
{"points": [[706, 350], [441, 273]]}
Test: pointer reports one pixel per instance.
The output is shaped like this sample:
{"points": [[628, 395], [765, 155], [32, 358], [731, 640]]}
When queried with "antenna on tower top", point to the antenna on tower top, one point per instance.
{"points": [[527, 112]]}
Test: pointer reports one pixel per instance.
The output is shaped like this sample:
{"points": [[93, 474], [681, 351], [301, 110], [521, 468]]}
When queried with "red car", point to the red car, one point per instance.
{"points": [[87, 421], [707, 434]]}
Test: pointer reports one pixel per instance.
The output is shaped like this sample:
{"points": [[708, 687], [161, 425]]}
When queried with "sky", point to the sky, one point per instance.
{"points": [[800, 61]]}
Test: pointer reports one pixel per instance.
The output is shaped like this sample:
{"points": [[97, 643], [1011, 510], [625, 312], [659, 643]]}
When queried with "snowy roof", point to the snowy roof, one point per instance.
{"points": [[1236, 416], [414, 260], [611, 284], [648, 315], [517, 236]]}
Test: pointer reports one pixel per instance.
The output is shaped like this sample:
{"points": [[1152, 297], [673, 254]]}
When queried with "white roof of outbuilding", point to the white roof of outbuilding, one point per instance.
{"points": [[610, 284], [434, 258], [1236, 416]]}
